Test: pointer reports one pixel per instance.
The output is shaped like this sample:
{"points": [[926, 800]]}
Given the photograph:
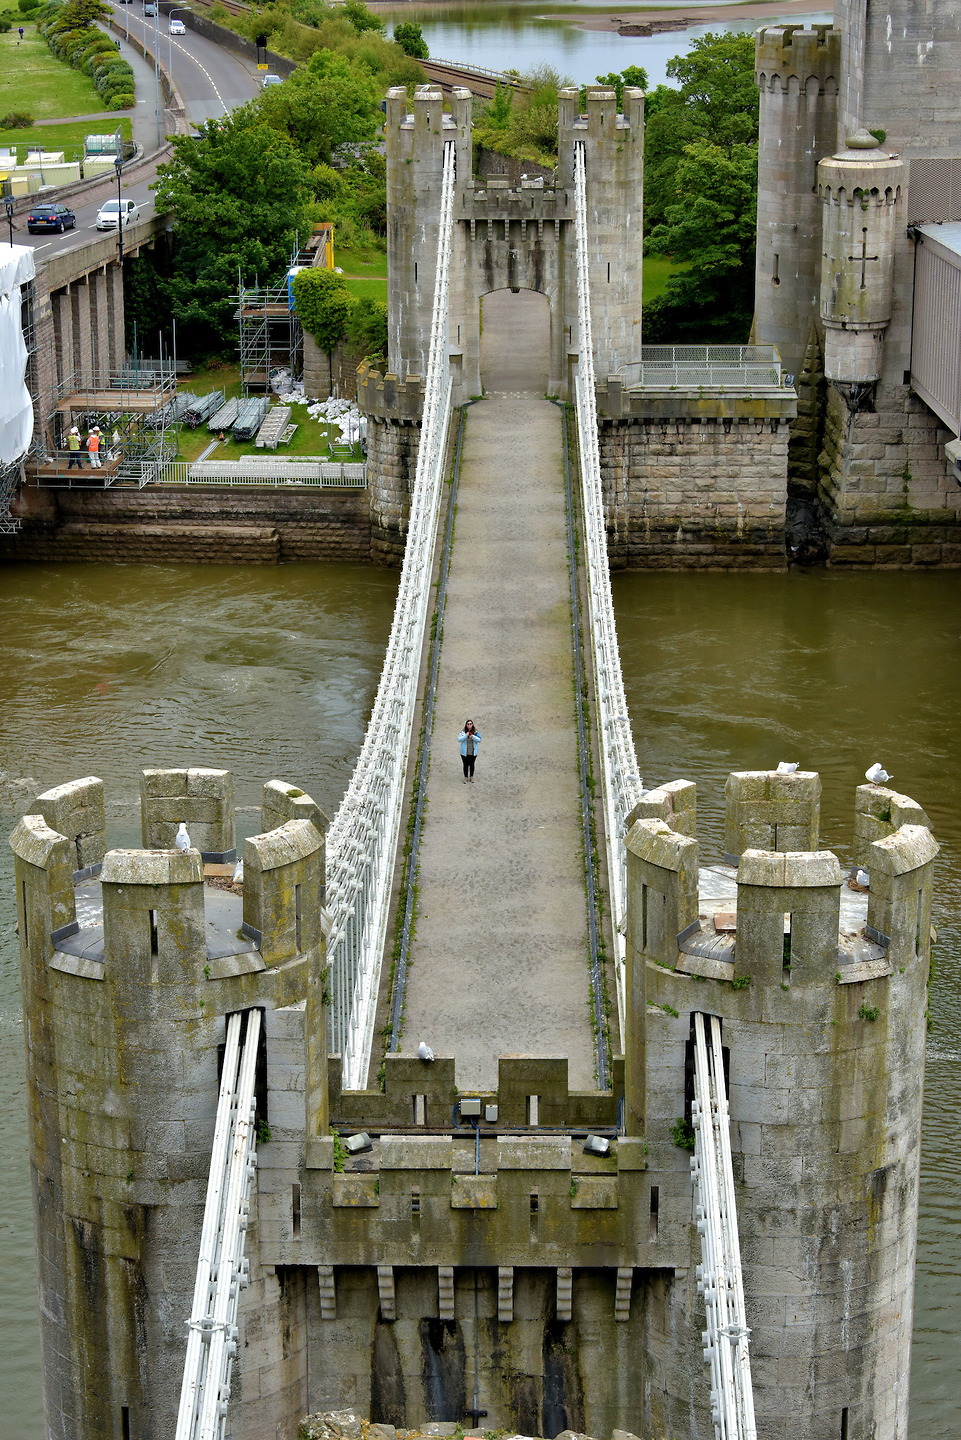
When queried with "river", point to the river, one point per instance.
{"points": [[271, 672]]}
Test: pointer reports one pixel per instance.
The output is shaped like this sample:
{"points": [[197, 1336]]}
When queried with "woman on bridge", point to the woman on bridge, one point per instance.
{"points": [[469, 739]]}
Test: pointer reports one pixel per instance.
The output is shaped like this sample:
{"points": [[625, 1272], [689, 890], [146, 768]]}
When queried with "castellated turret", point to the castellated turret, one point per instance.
{"points": [[860, 190], [797, 72], [820, 985], [131, 962], [513, 233]]}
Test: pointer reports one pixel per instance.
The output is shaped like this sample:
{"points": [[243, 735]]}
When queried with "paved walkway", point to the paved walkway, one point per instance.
{"points": [[500, 959]]}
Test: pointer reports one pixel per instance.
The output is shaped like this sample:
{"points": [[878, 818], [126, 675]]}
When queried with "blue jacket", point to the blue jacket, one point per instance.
{"points": [[462, 741]]}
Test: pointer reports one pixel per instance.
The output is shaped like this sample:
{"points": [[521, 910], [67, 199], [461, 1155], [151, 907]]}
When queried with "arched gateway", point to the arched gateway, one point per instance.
{"points": [[514, 238]]}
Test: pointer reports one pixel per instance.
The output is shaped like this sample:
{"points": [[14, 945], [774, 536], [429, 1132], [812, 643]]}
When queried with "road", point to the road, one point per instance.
{"points": [[210, 82]]}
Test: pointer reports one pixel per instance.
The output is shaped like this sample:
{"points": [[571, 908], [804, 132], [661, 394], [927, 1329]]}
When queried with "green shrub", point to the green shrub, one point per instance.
{"points": [[16, 120], [27, 7], [122, 102], [4, 25]]}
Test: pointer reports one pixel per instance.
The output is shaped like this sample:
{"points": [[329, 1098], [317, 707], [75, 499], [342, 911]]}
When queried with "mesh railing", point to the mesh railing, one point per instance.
{"points": [[334, 474], [622, 785], [363, 836], [696, 366]]}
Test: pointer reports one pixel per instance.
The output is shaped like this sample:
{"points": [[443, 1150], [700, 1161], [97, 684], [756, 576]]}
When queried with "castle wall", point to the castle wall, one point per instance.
{"points": [[193, 524], [696, 482]]}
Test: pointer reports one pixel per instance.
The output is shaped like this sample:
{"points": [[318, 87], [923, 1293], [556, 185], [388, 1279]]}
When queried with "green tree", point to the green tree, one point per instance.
{"points": [[239, 192], [367, 327], [360, 17], [634, 75], [498, 112], [710, 227], [323, 104], [410, 37], [716, 101]]}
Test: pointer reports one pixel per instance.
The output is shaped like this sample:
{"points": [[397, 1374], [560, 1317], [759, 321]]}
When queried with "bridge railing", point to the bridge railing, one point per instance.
{"points": [[222, 1268], [685, 367], [719, 1277], [622, 786], [363, 836]]}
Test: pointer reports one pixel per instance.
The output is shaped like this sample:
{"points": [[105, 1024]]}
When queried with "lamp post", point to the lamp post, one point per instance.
{"points": [[8, 202], [118, 166]]}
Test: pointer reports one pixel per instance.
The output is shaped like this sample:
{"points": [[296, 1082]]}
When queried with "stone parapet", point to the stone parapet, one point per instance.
{"points": [[787, 53], [616, 402], [388, 397]]}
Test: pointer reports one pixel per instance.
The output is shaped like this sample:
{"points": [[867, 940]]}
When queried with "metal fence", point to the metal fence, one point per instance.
{"points": [[684, 367], [333, 474], [622, 786], [363, 836]]}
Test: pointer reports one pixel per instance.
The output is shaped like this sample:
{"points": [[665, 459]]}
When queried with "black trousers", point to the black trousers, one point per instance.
{"points": [[468, 763]]}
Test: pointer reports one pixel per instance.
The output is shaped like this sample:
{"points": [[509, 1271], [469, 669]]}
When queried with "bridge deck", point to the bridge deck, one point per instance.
{"points": [[499, 962]]}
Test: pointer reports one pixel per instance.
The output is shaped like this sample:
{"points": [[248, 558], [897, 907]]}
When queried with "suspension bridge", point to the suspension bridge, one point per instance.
{"points": [[476, 944]]}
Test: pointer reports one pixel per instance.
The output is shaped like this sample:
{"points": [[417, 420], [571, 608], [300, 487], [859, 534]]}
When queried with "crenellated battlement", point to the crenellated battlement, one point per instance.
{"points": [[808, 60]]}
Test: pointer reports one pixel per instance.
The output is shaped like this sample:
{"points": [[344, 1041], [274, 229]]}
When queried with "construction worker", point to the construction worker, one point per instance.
{"points": [[93, 448], [73, 445]]}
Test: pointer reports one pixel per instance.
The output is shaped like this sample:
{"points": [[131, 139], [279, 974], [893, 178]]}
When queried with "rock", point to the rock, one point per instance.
{"points": [[332, 1425]]}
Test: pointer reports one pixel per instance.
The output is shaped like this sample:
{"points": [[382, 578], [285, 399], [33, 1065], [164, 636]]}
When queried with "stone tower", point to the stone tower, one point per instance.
{"points": [[514, 238], [130, 964], [866, 447], [821, 990]]}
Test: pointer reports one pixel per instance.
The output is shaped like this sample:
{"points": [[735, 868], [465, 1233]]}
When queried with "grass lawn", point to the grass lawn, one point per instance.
{"points": [[657, 269], [68, 138], [363, 286], [33, 79], [360, 264], [310, 438]]}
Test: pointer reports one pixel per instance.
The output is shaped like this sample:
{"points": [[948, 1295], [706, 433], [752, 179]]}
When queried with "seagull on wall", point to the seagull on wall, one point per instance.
{"points": [[877, 774], [182, 839], [786, 767], [424, 1052]]}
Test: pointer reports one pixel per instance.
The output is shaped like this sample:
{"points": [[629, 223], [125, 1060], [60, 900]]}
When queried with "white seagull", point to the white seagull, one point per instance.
{"points": [[863, 878], [786, 767], [424, 1052], [877, 774], [182, 839]]}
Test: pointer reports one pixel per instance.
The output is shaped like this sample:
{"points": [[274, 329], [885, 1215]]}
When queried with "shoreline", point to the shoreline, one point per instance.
{"points": [[682, 17], [668, 20]]}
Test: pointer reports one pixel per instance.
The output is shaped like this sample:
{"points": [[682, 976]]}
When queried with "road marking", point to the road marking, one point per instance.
{"points": [[184, 51]]}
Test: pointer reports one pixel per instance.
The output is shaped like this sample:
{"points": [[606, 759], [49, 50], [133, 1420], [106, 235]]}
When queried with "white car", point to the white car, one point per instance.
{"points": [[114, 212], [269, 80], [177, 27]]}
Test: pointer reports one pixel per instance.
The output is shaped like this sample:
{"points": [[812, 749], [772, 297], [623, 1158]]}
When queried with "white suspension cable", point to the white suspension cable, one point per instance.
{"points": [[363, 836], [726, 1338], [622, 786], [222, 1267]]}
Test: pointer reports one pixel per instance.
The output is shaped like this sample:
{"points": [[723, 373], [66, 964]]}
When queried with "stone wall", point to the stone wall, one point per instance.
{"points": [[191, 523], [697, 490], [886, 495]]}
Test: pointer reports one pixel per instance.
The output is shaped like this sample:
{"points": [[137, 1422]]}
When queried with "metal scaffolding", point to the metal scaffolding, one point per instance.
{"points": [[271, 337], [134, 411]]}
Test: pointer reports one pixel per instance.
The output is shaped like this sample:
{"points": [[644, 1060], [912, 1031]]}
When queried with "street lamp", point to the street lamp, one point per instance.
{"points": [[8, 202], [118, 166]]}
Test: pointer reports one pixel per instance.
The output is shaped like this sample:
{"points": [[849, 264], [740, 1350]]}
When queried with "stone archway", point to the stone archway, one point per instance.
{"points": [[515, 340]]}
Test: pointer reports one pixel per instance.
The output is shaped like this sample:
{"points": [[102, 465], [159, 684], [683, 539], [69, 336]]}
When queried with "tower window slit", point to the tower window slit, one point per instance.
{"points": [[919, 936], [533, 1110], [775, 278], [154, 938], [415, 1202], [655, 1206], [26, 928], [786, 961], [844, 1423], [295, 1210], [297, 916], [125, 1422]]}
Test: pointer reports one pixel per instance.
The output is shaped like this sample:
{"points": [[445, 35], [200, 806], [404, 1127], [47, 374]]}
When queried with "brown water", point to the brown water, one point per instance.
{"points": [[271, 672]]}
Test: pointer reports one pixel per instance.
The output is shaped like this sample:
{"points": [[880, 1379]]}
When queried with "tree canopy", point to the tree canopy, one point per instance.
{"points": [[240, 192], [323, 104]]}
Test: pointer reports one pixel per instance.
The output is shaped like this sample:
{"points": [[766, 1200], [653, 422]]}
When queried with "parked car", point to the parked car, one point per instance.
{"points": [[272, 80], [50, 217], [114, 212], [177, 27]]}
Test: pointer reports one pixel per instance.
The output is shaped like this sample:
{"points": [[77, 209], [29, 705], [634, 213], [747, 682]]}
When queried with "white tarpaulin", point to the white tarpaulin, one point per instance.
{"points": [[16, 407]]}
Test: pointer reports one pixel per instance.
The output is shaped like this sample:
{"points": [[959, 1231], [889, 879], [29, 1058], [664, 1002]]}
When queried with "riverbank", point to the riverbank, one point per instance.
{"points": [[682, 17]]}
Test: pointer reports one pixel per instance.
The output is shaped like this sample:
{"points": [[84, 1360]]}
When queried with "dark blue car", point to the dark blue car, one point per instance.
{"points": [[50, 217]]}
